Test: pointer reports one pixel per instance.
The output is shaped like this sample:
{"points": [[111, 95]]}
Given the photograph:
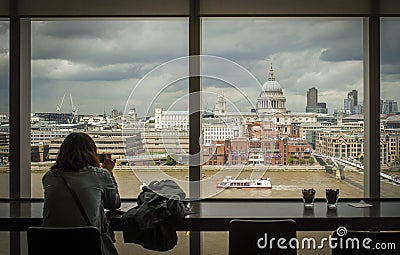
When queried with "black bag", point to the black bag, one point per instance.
{"points": [[152, 223]]}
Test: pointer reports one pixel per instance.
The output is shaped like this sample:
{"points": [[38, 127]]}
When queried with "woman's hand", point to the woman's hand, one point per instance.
{"points": [[108, 163]]}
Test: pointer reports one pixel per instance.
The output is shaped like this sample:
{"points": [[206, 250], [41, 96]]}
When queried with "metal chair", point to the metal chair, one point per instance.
{"points": [[261, 237], [64, 240], [365, 242]]}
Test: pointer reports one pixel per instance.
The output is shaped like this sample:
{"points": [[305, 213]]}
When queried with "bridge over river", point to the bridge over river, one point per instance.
{"points": [[341, 163]]}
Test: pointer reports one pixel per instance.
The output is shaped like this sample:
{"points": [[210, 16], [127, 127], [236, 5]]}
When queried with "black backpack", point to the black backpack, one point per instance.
{"points": [[152, 223]]}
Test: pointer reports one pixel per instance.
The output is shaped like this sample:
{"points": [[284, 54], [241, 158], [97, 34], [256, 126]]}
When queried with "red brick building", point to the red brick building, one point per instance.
{"points": [[264, 146], [217, 154], [294, 151], [239, 151]]}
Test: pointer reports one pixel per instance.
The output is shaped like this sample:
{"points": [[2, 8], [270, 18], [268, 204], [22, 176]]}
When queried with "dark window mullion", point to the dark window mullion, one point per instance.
{"points": [[194, 114], [20, 107], [372, 107]]}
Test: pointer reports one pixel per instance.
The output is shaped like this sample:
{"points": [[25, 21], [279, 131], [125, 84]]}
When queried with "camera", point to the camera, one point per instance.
{"points": [[103, 156]]}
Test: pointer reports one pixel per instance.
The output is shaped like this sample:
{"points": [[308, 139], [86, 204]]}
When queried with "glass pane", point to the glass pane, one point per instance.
{"points": [[390, 118], [110, 78], [283, 104], [4, 109]]}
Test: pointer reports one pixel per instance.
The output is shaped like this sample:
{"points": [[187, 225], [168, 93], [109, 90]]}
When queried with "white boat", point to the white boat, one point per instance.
{"points": [[230, 182]]}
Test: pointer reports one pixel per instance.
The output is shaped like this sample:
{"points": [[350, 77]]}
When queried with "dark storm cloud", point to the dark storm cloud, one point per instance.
{"points": [[345, 43], [325, 53], [100, 60], [4, 63], [4, 38], [390, 41], [391, 68], [87, 58], [73, 29], [4, 27], [390, 58], [343, 51], [251, 39], [110, 42], [390, 54], [89, 97], [64, 70]]}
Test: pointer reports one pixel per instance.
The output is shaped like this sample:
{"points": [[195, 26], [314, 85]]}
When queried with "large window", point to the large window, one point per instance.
{"points": [[279, 95], [120, 81], [114, 80], [4, 109], [389, 108], [285, 102]]}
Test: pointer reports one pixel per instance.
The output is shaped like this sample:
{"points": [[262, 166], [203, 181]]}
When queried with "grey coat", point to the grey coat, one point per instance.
{"points": [[96, 189]]}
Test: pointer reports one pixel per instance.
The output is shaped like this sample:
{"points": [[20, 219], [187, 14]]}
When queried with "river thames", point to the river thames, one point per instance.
{"points": [[287, 182]]}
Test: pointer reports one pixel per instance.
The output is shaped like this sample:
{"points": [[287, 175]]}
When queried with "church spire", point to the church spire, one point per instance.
{"points": [[271, 73]]}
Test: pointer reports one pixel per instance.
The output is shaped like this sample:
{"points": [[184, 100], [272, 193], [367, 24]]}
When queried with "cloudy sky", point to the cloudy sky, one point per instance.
{"points": [[102, 62], [4, 42]]}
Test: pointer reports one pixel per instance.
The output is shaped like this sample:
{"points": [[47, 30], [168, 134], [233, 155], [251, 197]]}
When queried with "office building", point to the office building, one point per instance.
{"points": [[351, 105], [171, 120], [389, 106], [214, 129], [392, 122], [108, 142], [342, 144], [312, 102], [165, 141], [312, 97]]}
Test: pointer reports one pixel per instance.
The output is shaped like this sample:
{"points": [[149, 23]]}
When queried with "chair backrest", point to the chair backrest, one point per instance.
{"points": [[64, 240], [262, 237], [365, 242]]}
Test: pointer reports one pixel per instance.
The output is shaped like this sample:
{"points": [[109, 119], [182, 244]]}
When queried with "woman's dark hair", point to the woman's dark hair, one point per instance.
{"points": [[77, 151]]}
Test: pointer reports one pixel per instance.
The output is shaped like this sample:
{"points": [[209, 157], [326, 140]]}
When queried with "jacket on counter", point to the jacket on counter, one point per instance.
{"points": [[152, 223]]}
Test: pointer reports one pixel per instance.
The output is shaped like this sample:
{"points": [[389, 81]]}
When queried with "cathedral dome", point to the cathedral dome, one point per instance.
{"points": [[271, 86], [271, 99]]}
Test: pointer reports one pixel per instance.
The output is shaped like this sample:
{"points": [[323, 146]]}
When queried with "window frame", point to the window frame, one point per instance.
{"points": [[21, 12]]}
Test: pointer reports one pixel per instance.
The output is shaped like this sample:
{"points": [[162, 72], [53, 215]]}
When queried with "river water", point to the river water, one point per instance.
{"points": [[285, 184]]}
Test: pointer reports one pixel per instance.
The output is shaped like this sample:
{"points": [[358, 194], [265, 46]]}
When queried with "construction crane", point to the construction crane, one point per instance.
{"points": [[58, 107], [74, 111]]}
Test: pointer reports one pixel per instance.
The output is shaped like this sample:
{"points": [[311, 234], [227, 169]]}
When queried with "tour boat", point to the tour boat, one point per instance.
{"points": [[230, 182]]}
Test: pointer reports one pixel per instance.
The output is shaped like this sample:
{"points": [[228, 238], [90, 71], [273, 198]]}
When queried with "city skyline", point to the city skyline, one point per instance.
{"points": [[100, 62]]}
